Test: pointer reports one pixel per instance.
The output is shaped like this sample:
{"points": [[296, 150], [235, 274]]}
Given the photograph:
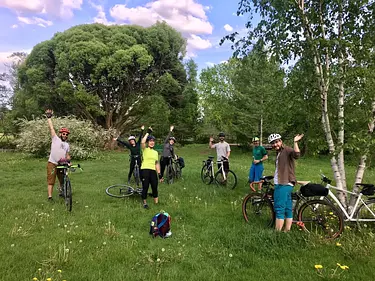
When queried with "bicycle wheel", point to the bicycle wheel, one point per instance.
{"points": [[68, 195], [178, 170], [366, 212], [137, 176], [170, 174], [321, 218], [258, 209], [230, 180], [206, 175], [119, 190]]}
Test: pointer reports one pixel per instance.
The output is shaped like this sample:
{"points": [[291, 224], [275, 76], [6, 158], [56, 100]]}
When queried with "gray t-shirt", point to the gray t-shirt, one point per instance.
{"points": [[59, 149], [221, 149]]}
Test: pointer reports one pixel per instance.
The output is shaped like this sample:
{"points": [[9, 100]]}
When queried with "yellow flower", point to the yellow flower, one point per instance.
{"points": [[59, 271], [49, 279], [35, 279], [318, 266], [338, 244], [344, 267]]}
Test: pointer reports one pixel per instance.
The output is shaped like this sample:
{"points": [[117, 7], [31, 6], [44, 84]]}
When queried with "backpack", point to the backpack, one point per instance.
{"points": [[181, 162], [161, 225]]}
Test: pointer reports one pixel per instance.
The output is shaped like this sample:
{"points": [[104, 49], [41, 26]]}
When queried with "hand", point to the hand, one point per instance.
{"points": [[256, 161], [211, 139], [149, 130], [171, 128], [161, 180], [298, 138], [115, 139], [49, 113], [143, 127]]}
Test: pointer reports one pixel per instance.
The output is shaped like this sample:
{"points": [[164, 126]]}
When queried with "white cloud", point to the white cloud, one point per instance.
{"points": [[35, 20], [227, 27], [14, 26], [186, 16], [6, 59], [100, 16], [54, 8]]}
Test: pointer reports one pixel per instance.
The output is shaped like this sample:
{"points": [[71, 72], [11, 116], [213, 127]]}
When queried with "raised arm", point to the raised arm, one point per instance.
{"points": [[49, 114], [144, 139], [141, 133], [169, 134], [210, 144], [297, 153], [126, 144]]}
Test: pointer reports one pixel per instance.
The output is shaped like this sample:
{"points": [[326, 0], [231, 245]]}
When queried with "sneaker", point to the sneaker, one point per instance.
{"points": [[50, 199], [146, 206], [169, 233]]}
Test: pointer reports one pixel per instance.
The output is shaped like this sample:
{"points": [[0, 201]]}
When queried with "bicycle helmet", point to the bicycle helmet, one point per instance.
{"points": [[131, 138], [172, 138], [255, 139], [273, 137], [221, 134], [64, 130], [150, 137]]}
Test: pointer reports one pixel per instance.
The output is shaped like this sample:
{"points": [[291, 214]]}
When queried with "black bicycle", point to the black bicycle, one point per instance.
{"points": [[66, 189], [173, 170], [122, 190], [137, 171]]}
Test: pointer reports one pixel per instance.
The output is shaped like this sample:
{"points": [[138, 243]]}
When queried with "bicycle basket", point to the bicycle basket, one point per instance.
{"points": [[368, 190], [313, 189]]}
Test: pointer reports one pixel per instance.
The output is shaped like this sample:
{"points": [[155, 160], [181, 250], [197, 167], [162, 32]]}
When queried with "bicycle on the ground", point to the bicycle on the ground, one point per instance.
{"points": [[223, 177], [122, 190], [363, 211], [66, 188], [313, 215], [136, 171], [173, 170]]}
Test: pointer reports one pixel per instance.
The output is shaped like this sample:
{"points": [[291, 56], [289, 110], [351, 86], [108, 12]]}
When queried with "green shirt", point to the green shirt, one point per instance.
{"points": [[259, 152], [150, 157]]}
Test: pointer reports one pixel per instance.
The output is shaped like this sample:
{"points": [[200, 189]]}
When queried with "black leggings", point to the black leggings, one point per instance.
{"points": [[164, 161], [149, 177], [132, 165]]}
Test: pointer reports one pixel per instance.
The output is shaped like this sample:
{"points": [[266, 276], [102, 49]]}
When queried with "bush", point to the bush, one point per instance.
{"points": [[84, 139]]}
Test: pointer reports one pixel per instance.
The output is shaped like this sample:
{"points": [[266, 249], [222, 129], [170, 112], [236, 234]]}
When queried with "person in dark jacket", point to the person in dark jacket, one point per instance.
{"points": [[168, 151], [135, 150]]}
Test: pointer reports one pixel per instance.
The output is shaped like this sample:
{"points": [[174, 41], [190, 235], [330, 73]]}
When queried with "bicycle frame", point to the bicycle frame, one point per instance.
{"points": [[349, 217]]}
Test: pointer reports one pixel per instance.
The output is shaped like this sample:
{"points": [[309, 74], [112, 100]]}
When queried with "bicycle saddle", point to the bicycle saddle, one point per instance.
{"points": [[266, 178], [211, 157], [369, 185]]}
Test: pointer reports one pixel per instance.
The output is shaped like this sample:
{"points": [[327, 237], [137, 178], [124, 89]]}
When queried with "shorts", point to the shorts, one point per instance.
{"points": [[52, 172]]}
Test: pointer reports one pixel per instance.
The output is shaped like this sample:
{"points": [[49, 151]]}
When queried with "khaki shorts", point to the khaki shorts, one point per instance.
{"points": [[51, 174]]}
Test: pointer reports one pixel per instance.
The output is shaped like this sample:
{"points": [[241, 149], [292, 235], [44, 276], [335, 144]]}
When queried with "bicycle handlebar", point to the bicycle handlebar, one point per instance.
{"points": [[66, 166]]}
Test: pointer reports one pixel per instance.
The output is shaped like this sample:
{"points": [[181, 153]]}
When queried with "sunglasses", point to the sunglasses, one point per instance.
{"points": [[64, 134]]}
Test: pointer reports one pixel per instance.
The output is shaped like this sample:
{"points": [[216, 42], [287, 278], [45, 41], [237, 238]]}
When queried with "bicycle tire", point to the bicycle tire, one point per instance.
{"points": [[318, 216], [231, 179], [206, 175], [178, 171], [364, 213], [256, 208], [137, 176], [68, 195], [119, 190], [170, 174]]}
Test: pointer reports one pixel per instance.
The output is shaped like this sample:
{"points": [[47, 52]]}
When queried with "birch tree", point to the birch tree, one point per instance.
{"points": [[336, 36]]}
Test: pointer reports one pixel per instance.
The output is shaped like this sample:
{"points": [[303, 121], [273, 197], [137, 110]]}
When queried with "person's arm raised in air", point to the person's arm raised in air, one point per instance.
{"points": [[141, 133], [144, 139], [210, 143], [126, 144], [296, 152], [169, 134], [49, 114]]}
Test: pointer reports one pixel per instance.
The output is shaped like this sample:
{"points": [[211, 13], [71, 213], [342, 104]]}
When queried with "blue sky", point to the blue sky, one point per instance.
{"points": [[203, 23]]}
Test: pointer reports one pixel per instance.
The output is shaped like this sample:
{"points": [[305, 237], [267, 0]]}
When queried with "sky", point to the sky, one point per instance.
{"points": [[203, 23]]}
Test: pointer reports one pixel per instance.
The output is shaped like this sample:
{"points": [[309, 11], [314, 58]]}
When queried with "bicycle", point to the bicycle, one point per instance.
{"points": [[221, 177], [363, 211], [136, 171], [122, 190], [313, 215], [66, 189], [173, 170]]}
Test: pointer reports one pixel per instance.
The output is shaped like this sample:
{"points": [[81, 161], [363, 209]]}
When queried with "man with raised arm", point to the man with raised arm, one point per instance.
{"points": [[168, 150], [222, 150], [59, 153]]}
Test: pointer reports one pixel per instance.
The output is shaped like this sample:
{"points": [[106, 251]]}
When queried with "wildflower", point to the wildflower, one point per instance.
{"points": [[12, 245], [59, 271], [179, 254], [80, 241], [158, 260], [49, 279], [338, 244], [318, 266], [131, 236], [163, 250], [53, 209], [230, 255], [70, 242], [86, 206], [344, 267], [66, 250], [68, 231], [65, 226], [35, 279], [104, 243], [39, 269]]}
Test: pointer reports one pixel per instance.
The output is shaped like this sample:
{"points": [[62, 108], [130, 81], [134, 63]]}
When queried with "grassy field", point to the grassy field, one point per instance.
{"points": [[104, 238]]}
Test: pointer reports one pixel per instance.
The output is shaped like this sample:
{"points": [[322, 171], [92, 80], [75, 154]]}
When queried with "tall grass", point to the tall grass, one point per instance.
{"points": [[105, 238]]}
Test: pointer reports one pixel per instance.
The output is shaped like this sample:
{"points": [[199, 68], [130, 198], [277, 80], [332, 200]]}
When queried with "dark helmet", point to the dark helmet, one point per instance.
{"points": [[150, 137], [64, 130], [172, 138], [221, 134]]}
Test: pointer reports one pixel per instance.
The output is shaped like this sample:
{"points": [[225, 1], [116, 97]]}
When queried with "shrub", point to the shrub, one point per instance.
{"points": [[84, 138]]}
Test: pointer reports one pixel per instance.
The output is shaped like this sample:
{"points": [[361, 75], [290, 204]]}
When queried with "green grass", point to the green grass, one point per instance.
{"points": [[106, 238]]}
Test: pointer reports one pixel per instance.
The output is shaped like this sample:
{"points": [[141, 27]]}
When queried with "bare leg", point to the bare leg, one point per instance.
{"points": [[279, 224], [288, 224], [156, 200], [50, 190]]}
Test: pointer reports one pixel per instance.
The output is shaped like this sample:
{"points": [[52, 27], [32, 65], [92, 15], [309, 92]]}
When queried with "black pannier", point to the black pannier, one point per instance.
{"points": [[368, 190], [313, 189]]}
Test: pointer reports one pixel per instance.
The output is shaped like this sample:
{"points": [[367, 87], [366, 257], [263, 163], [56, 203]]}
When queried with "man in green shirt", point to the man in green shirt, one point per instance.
{"points": [[259, 155]]}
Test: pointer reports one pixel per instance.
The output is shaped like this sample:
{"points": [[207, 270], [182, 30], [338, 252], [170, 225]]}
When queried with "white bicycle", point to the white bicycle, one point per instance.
{"points": [[363, 211]]}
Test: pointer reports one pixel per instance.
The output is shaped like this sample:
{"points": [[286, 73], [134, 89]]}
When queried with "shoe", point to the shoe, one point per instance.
{"points": [[50, 199], [169, 233], [146, 206]]}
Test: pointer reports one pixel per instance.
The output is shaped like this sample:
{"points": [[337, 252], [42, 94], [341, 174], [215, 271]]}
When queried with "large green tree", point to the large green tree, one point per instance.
{"points": [[111, 75]]}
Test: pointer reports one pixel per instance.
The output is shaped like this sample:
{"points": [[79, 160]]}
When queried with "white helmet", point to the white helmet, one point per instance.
{"points": [[131, 138], [273, 137]]}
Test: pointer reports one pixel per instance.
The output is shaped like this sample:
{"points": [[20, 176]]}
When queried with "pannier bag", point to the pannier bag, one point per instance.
{"points": [[181, 162], [368, 190], [313, 189]]}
